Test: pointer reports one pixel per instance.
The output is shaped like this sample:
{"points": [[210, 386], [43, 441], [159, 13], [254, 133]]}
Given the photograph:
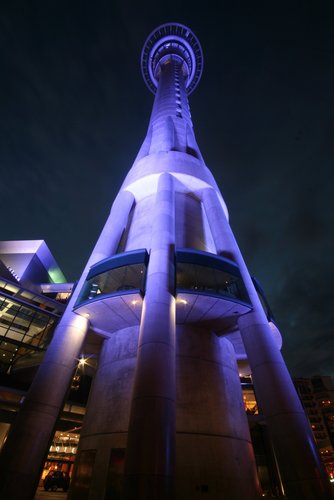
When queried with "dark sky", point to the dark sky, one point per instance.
{"points": [[74, 111]]}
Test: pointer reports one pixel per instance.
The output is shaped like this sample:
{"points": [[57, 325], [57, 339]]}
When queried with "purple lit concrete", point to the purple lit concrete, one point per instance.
{"points": [[150, 453], [166, 400], [300, 466], [22, 457]]}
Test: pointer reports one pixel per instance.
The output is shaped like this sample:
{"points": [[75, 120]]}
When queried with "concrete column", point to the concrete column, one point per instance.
{"points": [[215, 458], [108, 241], [112, 232], [27, 444], [150, 453], [225, 241], [104, 432], [26, 448], [302, 472]]}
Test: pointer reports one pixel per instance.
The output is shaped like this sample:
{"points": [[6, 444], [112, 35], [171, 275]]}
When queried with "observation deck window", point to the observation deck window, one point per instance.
{"points": [[122, 273], [201, 272]]}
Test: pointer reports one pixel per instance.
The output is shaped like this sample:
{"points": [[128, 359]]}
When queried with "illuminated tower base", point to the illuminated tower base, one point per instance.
{"points": [[167, 288]]}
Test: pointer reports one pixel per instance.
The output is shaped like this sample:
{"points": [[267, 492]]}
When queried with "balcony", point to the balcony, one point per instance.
{"points": [[209, 291], [209, 274], [112, 296], [121, 274]]}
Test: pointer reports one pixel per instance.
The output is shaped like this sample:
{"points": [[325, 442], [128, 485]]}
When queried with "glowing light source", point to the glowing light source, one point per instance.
{"points": [[182, 301], [82, 361], [56, 276]]}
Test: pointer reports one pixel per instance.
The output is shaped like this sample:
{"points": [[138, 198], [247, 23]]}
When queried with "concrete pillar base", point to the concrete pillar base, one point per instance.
{"points": [[146, 487], [25, 450], [99, 467], [301, 470], [214, 457]]}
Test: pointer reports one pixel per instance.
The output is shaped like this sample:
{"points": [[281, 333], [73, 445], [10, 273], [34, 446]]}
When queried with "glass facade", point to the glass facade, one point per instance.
{"points": [[196, 272], [122, 279], [200, 272], [26, 325], [119, 274]]}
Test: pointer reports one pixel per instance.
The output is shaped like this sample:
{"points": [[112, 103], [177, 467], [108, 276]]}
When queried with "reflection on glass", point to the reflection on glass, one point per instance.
{"points": [[209, 280], [124, 278], [23, 331]]}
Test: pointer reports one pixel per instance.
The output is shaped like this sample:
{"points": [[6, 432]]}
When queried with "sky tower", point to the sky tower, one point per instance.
{"points": [[168, 291]]}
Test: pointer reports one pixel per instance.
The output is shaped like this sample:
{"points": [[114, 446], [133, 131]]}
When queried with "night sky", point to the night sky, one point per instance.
{"points": [[74, 111]]}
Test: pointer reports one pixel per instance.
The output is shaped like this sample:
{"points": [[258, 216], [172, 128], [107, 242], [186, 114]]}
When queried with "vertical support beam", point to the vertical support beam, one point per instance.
{"points": [[212, 438], [302, 472], [106, 420], [150, 454], [225, 241], [26, 448], [112, 232]]}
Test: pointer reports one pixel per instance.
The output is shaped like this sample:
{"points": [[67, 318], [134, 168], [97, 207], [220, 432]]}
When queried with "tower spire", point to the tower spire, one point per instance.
{"points": [[172, 40], [172, 65]]}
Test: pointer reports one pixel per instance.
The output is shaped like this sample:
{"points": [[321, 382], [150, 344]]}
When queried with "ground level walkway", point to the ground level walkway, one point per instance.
{"points": [[41, 494]]}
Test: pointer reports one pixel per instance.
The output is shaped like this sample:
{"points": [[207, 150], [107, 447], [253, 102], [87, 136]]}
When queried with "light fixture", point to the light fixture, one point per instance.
{"points": [[82, 361], [182, 301]]}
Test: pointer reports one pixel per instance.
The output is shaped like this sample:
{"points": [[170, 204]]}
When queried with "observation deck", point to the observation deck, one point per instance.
{"points": [[208, 289], [172, 39]]}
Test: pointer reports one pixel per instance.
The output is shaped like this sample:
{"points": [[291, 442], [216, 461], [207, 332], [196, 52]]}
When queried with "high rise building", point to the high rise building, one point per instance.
{"points": [[168, 291], [317, 396]]}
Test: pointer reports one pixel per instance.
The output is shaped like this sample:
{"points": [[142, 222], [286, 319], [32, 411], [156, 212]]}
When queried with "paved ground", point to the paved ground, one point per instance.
{"points": [[60, 495], [41, 494]]}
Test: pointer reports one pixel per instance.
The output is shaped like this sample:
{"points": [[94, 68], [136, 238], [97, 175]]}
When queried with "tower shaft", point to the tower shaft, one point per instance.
{"points": [[170, 124]]}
